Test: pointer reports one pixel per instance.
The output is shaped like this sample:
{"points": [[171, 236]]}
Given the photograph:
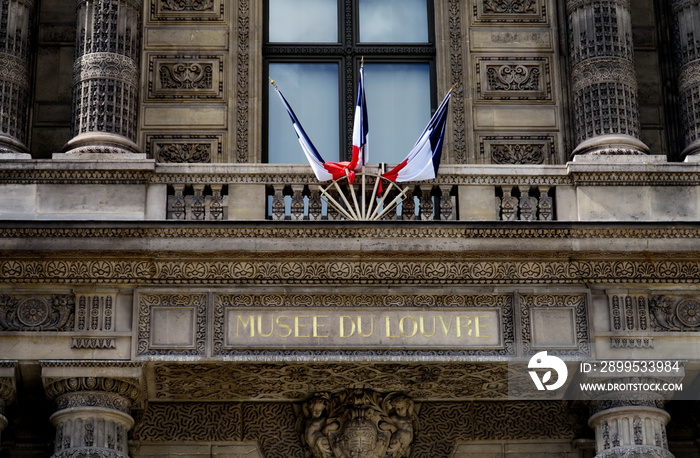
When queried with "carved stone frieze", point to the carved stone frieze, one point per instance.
{"points": [[285, 381], [323, 269], [37, 313], [93, 343], [674, 313], [358, 422], [438, 425], [629, 312], [60, 386]]}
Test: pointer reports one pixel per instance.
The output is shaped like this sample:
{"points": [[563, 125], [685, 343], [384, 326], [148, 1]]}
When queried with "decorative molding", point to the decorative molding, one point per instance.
{"points": [[458, 139], [93, 343], [156, 312], [530, 304], [37, 313], [631, 342], [126, 388], [191, 421], [243, 82]]}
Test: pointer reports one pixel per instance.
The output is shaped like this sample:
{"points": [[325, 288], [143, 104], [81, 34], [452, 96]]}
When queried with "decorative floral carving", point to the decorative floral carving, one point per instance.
{"points": [[190, 75], [510, 6], [187, 5], [195, 302], [36, 313], [184, 153], [513, 78], [514, 153], [671, 314], [358, 422]]}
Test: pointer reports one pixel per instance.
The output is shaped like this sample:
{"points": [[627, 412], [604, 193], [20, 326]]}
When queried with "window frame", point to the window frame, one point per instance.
{"points": [[348, 53]]}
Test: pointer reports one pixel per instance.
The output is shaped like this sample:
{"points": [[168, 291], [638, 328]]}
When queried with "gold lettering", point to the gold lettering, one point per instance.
{"points": [[342, 326], [359, 326], [283, 326], [316, 325], [422, 327], [479, 326], [467, 325], [272, 327], [401, 326], [445, 328], [297, 325], [250, 322], [388, 327]]}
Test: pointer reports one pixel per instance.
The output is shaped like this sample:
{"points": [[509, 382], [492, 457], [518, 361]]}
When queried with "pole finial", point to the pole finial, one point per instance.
{"points": [[272, 82]]}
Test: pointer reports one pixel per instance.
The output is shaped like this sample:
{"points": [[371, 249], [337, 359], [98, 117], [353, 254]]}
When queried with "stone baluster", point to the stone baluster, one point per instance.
{"points": [[15, 39], [686, 30], [603, 79], [106, 77], [634, 427], [93, 415]]}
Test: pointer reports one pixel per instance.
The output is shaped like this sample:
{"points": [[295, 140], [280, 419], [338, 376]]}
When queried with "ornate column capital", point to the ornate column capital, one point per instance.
{"points": [[93, 401], [630, 424]]}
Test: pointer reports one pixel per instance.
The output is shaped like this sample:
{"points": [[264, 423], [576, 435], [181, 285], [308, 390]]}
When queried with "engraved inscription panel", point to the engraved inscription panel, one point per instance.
{"points": [[362, 328]]}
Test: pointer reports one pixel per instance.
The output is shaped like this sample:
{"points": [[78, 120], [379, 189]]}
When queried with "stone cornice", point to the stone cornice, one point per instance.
{"points": [[83, 171]]}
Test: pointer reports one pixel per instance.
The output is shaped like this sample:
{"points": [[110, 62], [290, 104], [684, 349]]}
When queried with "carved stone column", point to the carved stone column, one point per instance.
{"points": [[93, 413], [604, 83], [633, 427], [8, 391], [15, 38], [106, 77], [686, 29]]}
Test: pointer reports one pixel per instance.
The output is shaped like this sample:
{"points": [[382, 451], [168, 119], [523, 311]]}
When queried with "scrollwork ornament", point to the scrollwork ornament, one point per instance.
{"points": [[36, 313], [670, 314]]}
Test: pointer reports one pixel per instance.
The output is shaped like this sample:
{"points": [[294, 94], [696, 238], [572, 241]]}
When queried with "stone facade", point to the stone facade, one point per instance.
{"points": [[164, 292]]}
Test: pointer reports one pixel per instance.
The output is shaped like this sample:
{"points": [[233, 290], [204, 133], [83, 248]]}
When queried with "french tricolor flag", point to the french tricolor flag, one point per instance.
{"points": [[423, 160], [323, 170], [315, 159]]}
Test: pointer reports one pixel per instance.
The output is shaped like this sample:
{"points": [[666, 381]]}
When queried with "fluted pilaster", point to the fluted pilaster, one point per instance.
{"points": [[106, 77], [604, 83], [686, 30], [631, 427], [15, 40], [93, 413]]}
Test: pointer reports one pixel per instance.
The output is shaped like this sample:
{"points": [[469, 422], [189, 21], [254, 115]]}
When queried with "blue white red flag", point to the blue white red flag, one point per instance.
{"points": [[423, 160], [315, 159], [359, 137]]}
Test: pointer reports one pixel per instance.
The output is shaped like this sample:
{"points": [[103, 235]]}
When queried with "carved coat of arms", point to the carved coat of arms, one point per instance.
{"points": [[358, 423]]}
